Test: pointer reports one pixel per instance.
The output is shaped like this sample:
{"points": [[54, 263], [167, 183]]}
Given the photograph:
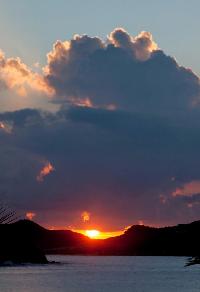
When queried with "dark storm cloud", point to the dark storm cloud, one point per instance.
{"points": [[114, 163], [124, 145]]}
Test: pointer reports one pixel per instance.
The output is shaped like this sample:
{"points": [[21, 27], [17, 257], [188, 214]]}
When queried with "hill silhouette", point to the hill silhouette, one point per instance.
{"points": [[17, 245], [27, 240]]}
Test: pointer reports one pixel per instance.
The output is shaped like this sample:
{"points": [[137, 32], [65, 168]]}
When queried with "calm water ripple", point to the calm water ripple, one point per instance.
{"points": [[103, 274]]}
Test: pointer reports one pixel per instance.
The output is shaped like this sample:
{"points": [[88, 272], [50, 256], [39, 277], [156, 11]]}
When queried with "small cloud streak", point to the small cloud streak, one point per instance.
{"points": [[46, 170], [163, 199], [188, 189], [85, 216], [30, 215], [82, 102]]}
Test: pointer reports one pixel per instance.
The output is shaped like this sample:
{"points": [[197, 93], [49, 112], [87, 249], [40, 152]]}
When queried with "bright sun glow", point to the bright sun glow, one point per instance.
{"points": [[92, 233], [95, 234]]}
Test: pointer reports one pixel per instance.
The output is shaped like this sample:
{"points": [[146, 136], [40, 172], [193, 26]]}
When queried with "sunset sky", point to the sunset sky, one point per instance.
{"points": [[100, 112]]}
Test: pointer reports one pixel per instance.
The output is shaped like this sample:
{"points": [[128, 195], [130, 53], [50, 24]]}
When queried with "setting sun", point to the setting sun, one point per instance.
{"points": [[96, 234], [92, 233]]}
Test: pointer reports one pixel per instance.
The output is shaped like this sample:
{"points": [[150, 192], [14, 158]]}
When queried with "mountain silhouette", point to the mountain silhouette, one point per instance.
{"points": [[26, 241]]}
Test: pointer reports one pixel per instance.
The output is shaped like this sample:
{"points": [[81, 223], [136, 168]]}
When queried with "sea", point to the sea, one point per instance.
{"points": [[103, 274]]}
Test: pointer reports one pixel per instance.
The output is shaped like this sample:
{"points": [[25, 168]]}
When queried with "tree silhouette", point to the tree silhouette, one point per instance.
{"points": [[193, 261]]}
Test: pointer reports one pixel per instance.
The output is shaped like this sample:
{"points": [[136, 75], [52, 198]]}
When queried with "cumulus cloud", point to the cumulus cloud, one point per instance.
{"points": [[126, 72], [140, 46], [15, 75], [122, 72]]}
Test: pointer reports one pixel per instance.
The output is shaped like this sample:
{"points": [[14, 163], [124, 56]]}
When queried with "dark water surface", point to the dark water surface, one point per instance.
{"points": [[105, 274]]}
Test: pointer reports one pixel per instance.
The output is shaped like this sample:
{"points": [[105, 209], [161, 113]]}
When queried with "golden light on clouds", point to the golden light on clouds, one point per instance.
{"points": [[19, 77], [85, 216], [86, 102], [47, 169]]}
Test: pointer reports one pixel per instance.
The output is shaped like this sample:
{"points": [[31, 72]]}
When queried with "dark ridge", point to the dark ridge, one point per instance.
{"points": [[25, 240]]}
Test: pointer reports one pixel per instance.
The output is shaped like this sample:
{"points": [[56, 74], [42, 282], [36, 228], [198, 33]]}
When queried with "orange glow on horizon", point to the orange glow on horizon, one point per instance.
{"points": [[96, 234], [92, 233]]}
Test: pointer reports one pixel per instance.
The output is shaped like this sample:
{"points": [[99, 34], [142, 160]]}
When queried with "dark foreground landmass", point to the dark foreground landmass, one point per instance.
{"points": [[26, 241]]}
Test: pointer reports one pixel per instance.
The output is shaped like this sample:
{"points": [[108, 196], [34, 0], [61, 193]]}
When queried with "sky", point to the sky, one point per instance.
{"points": [[99, 112], [29, 28]]}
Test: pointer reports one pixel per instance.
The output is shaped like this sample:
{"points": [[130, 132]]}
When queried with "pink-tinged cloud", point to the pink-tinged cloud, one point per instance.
{"points": [[46, 170], [188, 189]]}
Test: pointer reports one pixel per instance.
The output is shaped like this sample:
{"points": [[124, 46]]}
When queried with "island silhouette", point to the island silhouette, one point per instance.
{"points": [[25, 241]]}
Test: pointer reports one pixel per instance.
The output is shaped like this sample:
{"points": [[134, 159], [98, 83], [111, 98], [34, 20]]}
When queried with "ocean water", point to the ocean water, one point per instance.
{"points": [[103, 274]]}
